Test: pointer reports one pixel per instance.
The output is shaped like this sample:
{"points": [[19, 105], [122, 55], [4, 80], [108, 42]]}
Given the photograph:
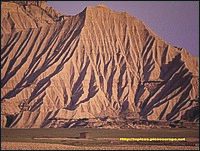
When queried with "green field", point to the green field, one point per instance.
{"points": [[97, 137]]}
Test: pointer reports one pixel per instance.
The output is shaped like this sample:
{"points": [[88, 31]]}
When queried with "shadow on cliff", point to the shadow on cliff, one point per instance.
{"points": [[177, 80], [64, 49]]}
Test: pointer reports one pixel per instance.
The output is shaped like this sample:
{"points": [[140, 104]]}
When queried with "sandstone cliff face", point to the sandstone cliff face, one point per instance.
{"points": [[58, 70], [18, 16]]}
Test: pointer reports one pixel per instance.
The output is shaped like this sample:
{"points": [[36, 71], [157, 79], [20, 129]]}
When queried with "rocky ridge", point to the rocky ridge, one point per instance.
{"points": [[58, 70]]}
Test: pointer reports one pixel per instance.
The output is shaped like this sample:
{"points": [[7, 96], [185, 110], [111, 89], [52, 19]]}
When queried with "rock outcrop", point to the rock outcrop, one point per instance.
{"points": [[57, 70]]}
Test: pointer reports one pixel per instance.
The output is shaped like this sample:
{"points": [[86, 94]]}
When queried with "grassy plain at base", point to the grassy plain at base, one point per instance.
{"points": [[98, 138]]}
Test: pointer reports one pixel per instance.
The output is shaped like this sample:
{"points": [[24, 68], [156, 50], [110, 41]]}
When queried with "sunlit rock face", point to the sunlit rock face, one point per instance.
{"points": [[58, 70]]}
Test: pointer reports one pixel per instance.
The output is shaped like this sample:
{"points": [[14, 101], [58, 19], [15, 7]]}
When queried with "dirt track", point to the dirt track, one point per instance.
{"points": [[46, 146]]}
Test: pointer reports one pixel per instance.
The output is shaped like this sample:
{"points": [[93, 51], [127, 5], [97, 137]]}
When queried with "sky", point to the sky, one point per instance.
{"points": [[176, 22]]}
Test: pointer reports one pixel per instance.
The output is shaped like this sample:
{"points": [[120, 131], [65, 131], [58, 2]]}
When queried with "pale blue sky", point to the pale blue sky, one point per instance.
{"points": [[177, 22]]}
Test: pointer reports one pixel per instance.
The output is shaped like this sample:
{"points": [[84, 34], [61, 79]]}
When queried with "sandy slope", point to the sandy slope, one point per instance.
{"points": [[94, 64]]}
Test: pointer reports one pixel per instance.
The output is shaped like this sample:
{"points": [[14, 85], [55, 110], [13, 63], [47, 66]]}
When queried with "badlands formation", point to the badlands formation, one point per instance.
{"points": [[99, 65]]}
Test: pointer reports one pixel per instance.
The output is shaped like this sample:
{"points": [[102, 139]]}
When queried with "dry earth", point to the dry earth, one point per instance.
{"points": [[58, 69], [45, 146]]}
